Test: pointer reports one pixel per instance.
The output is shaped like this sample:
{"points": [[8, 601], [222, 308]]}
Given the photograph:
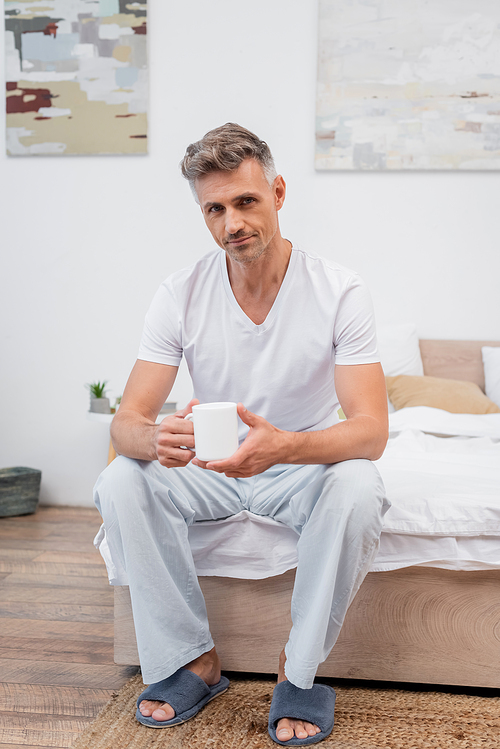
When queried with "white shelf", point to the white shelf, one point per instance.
{"points": [[104, 418], [108, 418]]}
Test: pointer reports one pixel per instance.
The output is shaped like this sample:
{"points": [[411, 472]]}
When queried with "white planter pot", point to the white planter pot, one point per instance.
{"points": [[100, 405]]}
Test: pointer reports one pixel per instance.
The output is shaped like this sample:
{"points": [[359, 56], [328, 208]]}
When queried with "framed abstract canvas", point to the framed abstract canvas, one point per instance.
{"points": [[76, 77], [408, 84]]}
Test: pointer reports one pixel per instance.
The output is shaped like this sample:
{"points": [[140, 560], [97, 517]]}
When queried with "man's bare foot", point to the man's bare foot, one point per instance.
{"points": [[287, 728], [207, 667]]}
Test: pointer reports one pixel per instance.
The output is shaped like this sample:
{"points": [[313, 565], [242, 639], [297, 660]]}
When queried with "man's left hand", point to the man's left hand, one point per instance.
{"points": [[262, 448]]}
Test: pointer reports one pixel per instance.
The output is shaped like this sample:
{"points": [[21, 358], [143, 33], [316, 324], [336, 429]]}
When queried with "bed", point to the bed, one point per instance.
{"points": [[428, 611]]}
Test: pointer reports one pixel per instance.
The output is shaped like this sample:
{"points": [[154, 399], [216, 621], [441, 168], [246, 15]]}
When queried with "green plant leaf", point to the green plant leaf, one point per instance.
{"points": [[97, 389]]}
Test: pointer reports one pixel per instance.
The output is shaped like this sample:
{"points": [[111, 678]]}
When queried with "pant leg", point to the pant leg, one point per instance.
{"points": [[146, 510], [338, 511]]}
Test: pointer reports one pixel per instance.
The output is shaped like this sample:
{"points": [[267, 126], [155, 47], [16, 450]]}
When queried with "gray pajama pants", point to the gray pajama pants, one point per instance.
{"points": [[337, 510]]}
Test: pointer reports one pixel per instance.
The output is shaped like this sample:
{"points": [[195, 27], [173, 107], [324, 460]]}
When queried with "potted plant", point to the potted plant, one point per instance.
{"points": [[115, 408], [98, 401]]}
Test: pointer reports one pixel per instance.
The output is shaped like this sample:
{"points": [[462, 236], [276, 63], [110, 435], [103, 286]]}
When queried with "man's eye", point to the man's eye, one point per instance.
{"points": [[246, 201], [215, 208]]}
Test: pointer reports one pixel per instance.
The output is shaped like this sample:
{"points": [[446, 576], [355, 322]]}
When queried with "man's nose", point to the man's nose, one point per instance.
{"points": [[234, 221]]}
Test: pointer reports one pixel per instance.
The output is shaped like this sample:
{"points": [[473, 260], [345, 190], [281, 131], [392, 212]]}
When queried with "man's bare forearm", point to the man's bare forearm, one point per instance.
{"points": [[137, 435], [359, 437], [133, 435], [134, 430]]}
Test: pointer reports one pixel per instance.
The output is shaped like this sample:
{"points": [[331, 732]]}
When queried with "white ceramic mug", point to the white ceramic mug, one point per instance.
{"points": [[215, 430]]}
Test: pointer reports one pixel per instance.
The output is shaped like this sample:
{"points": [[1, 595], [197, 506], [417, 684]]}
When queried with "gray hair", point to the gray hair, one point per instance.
{"points": [[223, 150]]}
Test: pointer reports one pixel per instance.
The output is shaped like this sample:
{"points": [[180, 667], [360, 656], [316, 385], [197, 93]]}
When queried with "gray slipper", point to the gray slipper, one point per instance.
{"points": [[186, 692], [314, 705]]}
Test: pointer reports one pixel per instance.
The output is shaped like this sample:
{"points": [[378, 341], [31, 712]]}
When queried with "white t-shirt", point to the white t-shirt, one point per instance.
{"points": [[282, 369]]}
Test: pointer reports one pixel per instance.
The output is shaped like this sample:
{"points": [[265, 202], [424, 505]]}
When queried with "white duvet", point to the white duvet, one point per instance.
{"points": [[445, 506], [441, 485], [444, 490]]}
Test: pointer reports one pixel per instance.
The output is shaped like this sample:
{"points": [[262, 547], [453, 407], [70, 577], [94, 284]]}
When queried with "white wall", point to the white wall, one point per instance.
{"points": [[86, 241]]}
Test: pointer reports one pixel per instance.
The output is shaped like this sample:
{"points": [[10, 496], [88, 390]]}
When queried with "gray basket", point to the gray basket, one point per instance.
{"points": [[19, 490]]}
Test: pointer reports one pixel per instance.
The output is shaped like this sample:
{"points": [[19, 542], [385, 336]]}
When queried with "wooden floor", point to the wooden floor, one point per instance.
{"points": [[56, 628]]}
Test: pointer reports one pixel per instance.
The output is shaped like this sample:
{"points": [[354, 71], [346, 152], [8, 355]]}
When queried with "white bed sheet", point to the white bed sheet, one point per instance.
{"points": [[445, 495]]}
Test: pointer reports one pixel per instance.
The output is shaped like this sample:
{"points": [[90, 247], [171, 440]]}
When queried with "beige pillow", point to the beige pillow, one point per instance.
{"points": [[456, 396]]}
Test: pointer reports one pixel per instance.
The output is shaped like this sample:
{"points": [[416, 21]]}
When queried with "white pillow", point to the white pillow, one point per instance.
{"points": [[399, 350], [491, 363]]}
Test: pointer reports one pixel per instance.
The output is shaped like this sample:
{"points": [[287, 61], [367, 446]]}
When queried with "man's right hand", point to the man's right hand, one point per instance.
{"points": [[172, 436]]}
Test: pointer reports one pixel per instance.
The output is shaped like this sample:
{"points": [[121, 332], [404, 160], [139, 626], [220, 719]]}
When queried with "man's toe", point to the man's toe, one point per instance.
{"points": [[299, 730], [161, 714], [285, 730], [159, 711], [146, 708], [311, 729], [288, 728]]}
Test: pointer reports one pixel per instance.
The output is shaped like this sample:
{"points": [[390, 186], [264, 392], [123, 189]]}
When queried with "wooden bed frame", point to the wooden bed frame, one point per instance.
{"points": [[416, 624]]}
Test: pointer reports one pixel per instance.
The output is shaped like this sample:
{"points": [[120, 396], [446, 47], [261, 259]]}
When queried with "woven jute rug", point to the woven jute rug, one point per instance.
{"points": [[366, 718]]}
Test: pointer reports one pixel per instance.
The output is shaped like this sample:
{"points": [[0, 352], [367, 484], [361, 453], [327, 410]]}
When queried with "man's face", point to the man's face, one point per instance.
{"points": [[240, 209]]}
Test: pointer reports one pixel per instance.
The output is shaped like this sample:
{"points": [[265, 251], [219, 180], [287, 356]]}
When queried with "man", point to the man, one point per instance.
{"points": [[290, 337]]}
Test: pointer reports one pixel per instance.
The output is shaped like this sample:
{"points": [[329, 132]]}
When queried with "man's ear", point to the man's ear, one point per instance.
{"points": [[279, 191]]}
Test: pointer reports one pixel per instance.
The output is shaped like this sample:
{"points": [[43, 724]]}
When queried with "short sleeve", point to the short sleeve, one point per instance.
{"points": [[355, 338], [161, 340]]}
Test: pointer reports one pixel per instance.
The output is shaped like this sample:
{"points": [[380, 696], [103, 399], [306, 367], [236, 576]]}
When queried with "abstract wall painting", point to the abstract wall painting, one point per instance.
{"points": [[408, 85], [76, 77]]}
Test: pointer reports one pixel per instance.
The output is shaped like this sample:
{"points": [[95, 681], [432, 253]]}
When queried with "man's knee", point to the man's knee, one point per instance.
{"points": [[358, 473], [357, 484], [119, 472], [129, 489], [352, 489], [120, 482]]}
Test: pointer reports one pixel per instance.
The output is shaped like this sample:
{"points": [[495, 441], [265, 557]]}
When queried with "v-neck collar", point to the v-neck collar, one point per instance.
{"points": [[271, 315]]}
